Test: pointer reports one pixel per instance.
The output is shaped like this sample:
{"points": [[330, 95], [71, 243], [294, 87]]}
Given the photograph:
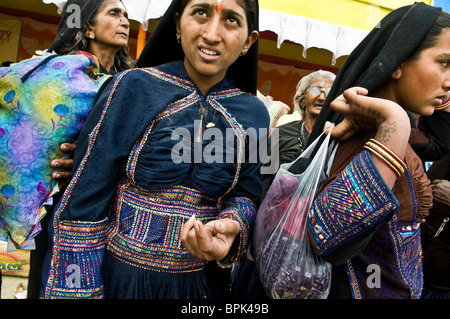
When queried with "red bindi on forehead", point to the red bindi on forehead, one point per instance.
{"points": [[219, 5]]}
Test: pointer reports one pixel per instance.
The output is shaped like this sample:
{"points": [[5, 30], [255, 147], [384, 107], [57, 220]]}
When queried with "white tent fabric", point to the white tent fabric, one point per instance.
{"points": [[338, 39]]}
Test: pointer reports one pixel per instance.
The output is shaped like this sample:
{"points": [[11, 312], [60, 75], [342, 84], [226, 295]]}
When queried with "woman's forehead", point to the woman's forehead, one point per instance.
{"points": [[113, 3], [218, 4], [320, 80]]}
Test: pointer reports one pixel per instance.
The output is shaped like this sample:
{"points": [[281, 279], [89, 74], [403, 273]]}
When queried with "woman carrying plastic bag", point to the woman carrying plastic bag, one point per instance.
{"points": [[288, 267]]}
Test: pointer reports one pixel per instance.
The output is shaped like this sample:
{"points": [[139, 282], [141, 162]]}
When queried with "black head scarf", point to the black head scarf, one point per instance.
{"points": [[66, 32], [163, 47], [379, 54]]}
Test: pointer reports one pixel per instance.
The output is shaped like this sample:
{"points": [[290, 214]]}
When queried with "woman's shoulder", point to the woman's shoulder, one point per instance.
{"points": [[142, 76], [166, 74], [251, 108], [251, 101]]}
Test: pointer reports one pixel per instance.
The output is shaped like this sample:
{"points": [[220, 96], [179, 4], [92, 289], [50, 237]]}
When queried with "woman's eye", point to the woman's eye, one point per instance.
{"points": [[233, 20], [201, 12], [445, 64]]}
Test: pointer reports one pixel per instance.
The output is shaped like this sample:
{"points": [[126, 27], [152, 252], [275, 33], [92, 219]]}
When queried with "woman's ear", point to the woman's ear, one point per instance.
{"points": [[90, 32], [397, 73], [251, 39], [176, 18], [302, 103]]}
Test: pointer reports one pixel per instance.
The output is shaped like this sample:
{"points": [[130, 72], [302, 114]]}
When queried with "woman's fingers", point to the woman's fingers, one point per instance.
{"points": [[197, 238], [363, 113], [343, 131], [350, 101], [211, 241], [227, 227], [64, 165], [186, 232], [68, 147]]}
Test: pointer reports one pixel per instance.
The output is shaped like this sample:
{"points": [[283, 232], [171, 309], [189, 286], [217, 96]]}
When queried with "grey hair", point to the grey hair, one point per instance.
{"points": [[304, 83]]}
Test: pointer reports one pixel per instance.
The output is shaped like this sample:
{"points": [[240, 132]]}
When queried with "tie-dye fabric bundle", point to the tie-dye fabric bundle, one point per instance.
{"points": [[44, 102]]}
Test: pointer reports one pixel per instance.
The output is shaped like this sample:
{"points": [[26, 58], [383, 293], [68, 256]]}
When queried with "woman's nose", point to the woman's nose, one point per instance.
{"points": [[124, 21], [322, 96], [212, 31]]}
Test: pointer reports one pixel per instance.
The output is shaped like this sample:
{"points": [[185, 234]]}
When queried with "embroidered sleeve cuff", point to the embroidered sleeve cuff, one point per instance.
{"points": [[242, 210], [76, 262], [355, 202]]}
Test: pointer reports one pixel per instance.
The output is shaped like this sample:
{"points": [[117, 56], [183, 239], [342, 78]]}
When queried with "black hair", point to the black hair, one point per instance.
{"points": [[80, 42], [442, 22]]}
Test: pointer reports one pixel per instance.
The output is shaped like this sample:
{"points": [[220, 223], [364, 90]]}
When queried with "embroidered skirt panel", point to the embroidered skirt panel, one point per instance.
{"points": [[146, 227]]}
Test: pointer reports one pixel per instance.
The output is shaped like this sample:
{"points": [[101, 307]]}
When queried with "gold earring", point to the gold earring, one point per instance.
{"points": [[178, 37], [244, 52]]}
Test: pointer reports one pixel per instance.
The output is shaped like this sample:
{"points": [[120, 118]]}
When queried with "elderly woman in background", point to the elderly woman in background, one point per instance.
{"points": [[310, 95], [103, 32]]}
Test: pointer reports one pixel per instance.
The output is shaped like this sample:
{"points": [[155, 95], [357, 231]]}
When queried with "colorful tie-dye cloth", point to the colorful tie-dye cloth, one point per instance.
{"points": [[44, 102]]}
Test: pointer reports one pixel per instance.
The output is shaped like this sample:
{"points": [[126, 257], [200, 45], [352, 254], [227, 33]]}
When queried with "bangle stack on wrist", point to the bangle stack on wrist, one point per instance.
{"points": [[386, 155]]}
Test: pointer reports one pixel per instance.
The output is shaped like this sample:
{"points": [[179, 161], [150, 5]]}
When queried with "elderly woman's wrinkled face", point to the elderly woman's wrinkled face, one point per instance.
{"points": [[315, 96], [111, 27]]}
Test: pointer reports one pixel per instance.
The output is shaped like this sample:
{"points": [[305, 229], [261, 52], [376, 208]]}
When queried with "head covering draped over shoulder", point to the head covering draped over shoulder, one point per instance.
{"points": [[379, 54], [68, 29], [163, 47]]}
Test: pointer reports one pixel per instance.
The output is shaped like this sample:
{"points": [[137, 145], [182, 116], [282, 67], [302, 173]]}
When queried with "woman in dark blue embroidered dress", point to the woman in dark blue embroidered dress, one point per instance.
{"points": [[165, 189], [366, 221]]}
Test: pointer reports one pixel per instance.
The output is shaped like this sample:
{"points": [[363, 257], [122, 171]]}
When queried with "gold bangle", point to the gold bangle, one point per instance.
{"points": [[396, 171], [387, 157], [399, 168], [388, 150]]}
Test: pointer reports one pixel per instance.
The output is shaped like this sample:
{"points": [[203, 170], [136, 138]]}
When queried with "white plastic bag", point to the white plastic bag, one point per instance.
{"points": [[286, 262]]}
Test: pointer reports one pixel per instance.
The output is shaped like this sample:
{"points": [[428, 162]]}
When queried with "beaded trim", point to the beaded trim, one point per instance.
{"points": [[356, 291], [244, 212], [79, 254], [146, 227]]}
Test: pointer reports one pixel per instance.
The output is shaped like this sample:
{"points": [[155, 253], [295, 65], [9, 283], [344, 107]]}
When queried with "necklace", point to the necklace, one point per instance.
{"points": [[203, 111], [304, 136]]}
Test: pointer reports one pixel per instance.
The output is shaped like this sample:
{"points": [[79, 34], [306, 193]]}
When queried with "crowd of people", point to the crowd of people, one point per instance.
{"points": [[160, 192]]}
